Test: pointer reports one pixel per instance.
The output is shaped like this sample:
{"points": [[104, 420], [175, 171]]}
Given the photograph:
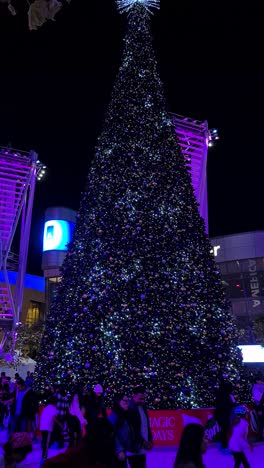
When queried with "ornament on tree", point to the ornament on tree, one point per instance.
{"points": [[10, 7], [42, 10], [126, 5]]}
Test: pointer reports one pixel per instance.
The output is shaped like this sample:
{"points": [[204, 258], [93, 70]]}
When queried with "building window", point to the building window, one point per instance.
{"points": [[33, 313], [53, 284]]}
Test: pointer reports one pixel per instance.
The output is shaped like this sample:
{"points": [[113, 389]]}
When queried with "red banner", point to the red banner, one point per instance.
{"points": [[167, 425]]}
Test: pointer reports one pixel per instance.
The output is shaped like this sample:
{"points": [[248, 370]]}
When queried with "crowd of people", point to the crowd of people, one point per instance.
{"points": [[18, 403], [117, 438], [232, 418], [79, 422], [114, 439]]}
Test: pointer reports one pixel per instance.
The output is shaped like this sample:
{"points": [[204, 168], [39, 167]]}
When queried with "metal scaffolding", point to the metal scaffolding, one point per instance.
{"points": [[194, 137], [18, 173]]}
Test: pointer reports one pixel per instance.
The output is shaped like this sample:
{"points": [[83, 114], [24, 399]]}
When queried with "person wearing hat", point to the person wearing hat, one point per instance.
{"points": [[98, 390], [238, 442], [94, 406], [99, 431]]}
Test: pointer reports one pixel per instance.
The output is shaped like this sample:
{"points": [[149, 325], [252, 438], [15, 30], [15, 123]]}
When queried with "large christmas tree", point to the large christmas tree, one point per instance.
{"points": [[141, 299]]}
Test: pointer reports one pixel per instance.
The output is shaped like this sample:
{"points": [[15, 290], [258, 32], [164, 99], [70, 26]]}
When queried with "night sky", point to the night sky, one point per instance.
{"points": [[55, 85]]}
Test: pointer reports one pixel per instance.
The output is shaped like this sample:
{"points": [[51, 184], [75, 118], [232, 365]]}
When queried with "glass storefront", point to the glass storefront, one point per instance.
{"points": [[33, 313], [51, 290], [240, 259]]}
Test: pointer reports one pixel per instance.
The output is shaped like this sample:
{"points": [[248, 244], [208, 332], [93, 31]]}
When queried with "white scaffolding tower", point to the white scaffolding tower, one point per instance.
{"points": [[18, 173], [194, 138]]}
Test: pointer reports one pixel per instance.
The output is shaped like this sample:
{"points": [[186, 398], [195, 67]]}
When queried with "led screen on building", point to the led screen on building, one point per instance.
{"points": [[252, 353], [57, 234]]}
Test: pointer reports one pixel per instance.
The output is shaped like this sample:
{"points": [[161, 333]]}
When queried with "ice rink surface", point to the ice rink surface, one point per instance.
{"points": [[156, 458]]}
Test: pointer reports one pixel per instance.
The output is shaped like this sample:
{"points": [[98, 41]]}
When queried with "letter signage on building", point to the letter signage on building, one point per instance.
{"points": [[254, 282], [215, 249]]}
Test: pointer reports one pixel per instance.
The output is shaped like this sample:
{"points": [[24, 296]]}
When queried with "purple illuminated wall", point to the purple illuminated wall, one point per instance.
{"points": [[193, 138], [17, 176]]}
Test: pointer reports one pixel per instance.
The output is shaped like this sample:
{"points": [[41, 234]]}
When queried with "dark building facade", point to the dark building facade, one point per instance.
{"points": [[240, 258]]}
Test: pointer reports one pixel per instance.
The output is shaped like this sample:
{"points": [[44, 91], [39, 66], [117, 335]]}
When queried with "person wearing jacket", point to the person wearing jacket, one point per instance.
{"points": [[99, 431], [139, 420], [123, 431], [224, 406], [23, 409], [82, 456], [258, 397], [76, 421], [238, 442]]}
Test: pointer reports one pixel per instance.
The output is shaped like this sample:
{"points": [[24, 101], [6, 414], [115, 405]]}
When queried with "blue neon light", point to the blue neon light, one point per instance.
{"points": [[57, 234], [31, 281]]}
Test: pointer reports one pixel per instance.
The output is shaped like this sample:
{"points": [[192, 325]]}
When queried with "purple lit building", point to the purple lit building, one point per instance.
{"points": [[19, 171], [194, 138]]}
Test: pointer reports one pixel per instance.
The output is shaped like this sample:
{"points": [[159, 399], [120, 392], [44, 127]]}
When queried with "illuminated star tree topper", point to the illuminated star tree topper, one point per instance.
{"points": [[126, 5]]}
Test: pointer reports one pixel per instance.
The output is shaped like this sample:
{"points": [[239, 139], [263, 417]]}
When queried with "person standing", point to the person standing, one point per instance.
{"points": [[76, 421], [139, 420], [94, 409], [60, 436], [47, 421], [224, 405], [29, 379], [123, 432], [193, 445], [238, 442], [11, 384], [4, 404], [99, 431], [258, 397], [23, 408]]}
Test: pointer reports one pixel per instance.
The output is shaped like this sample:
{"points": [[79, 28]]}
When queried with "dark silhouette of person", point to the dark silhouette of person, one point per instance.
{"points": [[258, 398], [193, 444], [99, 430], [224, 405], [139, 421], [83, 456], [124, 436]]}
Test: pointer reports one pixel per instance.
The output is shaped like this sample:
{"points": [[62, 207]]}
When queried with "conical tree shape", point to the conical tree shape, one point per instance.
{"points": [[141, 300]]}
